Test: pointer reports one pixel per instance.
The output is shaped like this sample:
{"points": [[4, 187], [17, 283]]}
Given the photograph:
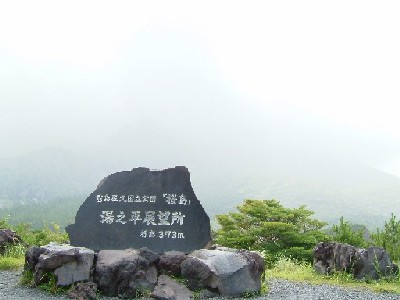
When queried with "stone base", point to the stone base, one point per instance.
{"points": [[141, 272]]}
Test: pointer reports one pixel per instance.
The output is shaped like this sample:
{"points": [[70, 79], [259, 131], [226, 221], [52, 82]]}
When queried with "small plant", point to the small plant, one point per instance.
{"points": [[27, 278], [4, 223], [180, 280], [197, 295], [249, 294], [49, 284], [142, 292]]}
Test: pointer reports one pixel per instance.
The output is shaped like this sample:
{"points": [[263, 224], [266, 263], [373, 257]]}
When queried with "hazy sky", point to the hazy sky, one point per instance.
{"points": [[76, 72]]}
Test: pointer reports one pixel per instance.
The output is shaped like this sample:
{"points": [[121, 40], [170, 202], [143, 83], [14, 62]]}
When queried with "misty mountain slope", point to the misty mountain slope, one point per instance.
{"points": [[46, 174], [332, 188]]}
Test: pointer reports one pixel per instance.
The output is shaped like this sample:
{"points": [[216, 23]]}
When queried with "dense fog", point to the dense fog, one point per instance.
{"points": [[247, 96]]}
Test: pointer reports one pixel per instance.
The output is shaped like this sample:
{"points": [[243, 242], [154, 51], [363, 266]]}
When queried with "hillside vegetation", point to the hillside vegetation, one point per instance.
{"points": [[61, 210]]}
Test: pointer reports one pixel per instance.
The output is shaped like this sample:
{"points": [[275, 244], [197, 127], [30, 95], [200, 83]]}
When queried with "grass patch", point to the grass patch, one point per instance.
{"points": [[289, 269], [11, 263], [12, 257]]}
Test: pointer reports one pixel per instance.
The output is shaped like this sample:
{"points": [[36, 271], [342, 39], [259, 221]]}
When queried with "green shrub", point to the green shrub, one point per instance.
{"points": [[43, 236], [265, 225]]}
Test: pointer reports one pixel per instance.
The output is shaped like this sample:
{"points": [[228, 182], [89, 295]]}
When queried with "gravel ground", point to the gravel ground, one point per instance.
{"points": [[11, 290], [279, 290]]}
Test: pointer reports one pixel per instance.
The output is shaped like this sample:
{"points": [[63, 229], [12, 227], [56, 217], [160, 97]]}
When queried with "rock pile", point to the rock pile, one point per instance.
{"points": [[133, 273], [370, 263]]}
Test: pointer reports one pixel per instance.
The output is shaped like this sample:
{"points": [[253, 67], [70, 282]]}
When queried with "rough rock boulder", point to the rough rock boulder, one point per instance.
{"points": [[126, 273], [374, 263], [169, 289], [371, 263], [331, 257], [69, 264], [83, 291], [230, 272], [170, 262]]}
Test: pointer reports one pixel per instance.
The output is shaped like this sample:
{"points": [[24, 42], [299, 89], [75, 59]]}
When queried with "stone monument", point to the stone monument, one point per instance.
{"points": [[142, 208]]}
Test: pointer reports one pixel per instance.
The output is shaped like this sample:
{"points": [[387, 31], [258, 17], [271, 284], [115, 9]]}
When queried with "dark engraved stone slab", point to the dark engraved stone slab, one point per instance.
{"points": [[142, 208]]}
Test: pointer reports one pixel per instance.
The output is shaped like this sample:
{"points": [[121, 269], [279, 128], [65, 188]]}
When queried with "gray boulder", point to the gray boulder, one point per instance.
{"points": [[169, 289], [126, 273], [371, 263], [83, 291], [331, 257], [69, 264], [170, 262], [196, 272], [32, 257], [230, 272]]}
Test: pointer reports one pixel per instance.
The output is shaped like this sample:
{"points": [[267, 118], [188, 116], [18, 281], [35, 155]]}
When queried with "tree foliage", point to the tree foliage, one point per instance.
{"points": [[344, 232], [389, 238], [266, 225]]}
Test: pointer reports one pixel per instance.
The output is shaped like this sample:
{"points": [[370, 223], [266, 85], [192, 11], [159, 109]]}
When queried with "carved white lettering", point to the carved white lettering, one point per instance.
{"points": [[183, 200], [163, 217], [120, 218], [135, 216], [150, 218], [107, 217], [177, 217], [170, 198]]}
